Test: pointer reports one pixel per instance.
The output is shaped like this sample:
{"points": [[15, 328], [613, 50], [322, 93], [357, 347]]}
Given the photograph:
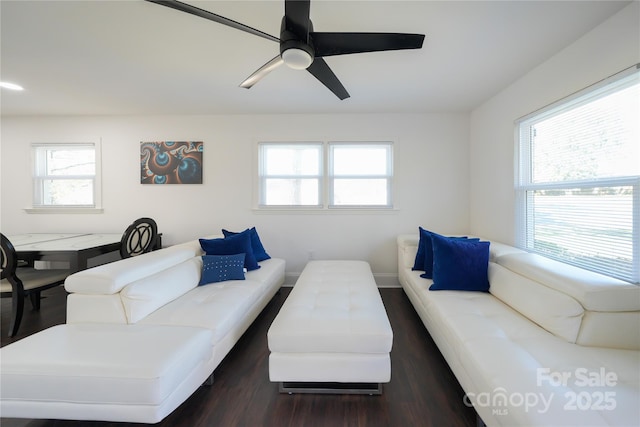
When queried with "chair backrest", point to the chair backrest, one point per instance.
{"points": [[139, 238], [9, 259]]}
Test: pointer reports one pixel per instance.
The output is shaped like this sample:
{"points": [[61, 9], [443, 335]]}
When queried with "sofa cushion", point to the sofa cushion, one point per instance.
{"points": [[232, 245], [111, 278], [498, 249], [613, 329], [220, 306], [218, 268], [217, 307], [594, 291], [145, 296], [136, 373], [459, 264], [556, 312], [258, 250]]}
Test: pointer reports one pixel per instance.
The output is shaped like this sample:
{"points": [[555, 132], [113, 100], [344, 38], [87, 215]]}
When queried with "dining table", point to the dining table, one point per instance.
{"points": [[74, 248]]}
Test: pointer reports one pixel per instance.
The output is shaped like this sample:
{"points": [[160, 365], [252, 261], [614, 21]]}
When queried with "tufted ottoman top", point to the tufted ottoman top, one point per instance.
{"points": [[335, 307]]}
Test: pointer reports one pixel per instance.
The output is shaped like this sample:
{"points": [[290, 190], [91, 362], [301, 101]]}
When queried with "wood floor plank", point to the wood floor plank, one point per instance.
{"points": [[423, 391]]}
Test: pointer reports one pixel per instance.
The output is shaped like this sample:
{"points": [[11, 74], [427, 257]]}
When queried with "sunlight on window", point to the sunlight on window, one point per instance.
{"points": [[64, 175], [292, 160], [579, 179], [360, 161], [355, 174], [595, 140], [290, 174]]}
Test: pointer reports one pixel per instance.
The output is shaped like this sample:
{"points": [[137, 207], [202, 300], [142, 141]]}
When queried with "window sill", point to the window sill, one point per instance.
{"points": [[325, 211], [64, 210]]}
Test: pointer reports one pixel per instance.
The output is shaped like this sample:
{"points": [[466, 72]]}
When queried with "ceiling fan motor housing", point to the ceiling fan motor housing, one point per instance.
{"points": [[296, 53]]}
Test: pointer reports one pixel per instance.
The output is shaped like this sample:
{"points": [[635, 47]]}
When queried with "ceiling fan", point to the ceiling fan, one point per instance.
{"points": [[302, 48]]}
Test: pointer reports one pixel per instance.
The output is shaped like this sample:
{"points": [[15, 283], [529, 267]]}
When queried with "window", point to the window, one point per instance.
{"points": [[290, 174], [360, 174], [354, 175], [578, 183], [66, 175]]}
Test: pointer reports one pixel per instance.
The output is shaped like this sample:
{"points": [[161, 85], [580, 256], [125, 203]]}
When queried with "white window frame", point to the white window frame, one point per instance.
{"points": [[326, 177], [332, 176], [39, 176], [264, 176], [525, 187]]}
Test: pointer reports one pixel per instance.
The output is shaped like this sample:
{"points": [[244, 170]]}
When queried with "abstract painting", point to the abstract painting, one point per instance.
{"points": [[171, 162]]}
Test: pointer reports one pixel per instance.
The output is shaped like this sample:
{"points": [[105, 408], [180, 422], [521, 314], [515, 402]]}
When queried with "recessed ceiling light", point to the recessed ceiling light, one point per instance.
{"points": [[12, 86]]}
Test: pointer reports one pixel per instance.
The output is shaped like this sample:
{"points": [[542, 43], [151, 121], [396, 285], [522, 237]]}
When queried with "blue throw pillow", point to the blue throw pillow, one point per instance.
{"points": [[236, 244], [425, 240], [218, 268], [460, 264], [258, 250], [424, 257]]}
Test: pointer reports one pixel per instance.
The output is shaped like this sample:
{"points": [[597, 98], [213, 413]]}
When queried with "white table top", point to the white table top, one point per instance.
{"points": [[62, 242]]}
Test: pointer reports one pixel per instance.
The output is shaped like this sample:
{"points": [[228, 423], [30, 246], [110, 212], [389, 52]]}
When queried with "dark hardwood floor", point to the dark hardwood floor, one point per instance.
{"points": [[423, 391]]}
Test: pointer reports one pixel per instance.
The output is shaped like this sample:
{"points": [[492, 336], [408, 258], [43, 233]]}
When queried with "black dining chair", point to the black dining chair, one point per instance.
{"points": [[139, 238], [21, 282]]}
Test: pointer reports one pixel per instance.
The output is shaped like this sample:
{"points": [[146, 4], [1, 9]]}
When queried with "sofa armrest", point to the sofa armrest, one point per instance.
{"points": [[407, 249]]}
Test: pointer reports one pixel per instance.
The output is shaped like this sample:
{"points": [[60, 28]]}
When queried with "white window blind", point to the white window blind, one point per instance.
{"points": [[578, 183], [65, 175]]}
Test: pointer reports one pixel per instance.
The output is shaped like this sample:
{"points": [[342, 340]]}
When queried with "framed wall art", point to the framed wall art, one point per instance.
{"points": [[171, 162]]}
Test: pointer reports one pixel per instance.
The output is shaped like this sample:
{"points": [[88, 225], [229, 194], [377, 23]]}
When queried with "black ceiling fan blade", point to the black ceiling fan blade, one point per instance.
{"points": [[322, 72], [261, 72], [329, 44], [184, 7], [296, 13]]}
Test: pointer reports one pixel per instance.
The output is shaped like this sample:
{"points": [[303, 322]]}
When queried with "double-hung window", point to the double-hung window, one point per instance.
{"points": [[360, 174], [578, 180], [290, 174], [325, 174], [66, 175]]}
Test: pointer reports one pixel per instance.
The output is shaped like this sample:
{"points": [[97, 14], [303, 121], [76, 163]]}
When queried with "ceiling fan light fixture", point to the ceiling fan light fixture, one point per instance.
{"points": [[298, 59]]}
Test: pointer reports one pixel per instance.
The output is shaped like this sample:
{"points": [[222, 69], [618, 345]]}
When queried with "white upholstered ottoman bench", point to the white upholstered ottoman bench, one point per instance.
{"points": [[105, 372], [332, 334]]}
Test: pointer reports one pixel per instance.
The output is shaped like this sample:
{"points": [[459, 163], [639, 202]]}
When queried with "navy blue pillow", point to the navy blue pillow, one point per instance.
{"points": [[236, 244], [258, 250], [460, 264], [424, 257], [218, 268], [423, 243]]}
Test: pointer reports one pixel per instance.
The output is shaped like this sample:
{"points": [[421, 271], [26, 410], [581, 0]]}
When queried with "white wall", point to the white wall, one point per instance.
{"points": [[446, 165], [610, 47], [431, 177]]}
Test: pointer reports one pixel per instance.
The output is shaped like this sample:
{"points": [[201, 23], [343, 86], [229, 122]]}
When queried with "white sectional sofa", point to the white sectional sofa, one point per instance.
{"points": [[141, 337], [548, 345]]}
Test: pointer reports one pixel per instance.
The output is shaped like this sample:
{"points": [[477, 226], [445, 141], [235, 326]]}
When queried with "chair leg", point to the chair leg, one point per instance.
{"points": [[17, 308], [35, 300]]}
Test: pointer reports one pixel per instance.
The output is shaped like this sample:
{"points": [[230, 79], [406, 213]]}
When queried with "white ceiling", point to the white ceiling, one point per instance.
{"points": [[135, 57]]}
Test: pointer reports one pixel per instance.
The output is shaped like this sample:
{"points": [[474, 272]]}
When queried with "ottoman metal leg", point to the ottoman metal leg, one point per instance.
{"points": [[330, 388]]}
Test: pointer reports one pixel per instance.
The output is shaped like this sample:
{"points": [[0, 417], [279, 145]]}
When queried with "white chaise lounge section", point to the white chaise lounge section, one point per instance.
{"points": [[92, 371], [141, 337], [332, 333]]}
